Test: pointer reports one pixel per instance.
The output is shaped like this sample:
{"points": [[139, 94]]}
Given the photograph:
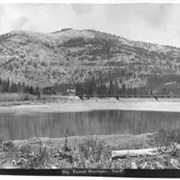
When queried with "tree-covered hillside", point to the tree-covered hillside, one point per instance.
{"points": [[83, 59]]}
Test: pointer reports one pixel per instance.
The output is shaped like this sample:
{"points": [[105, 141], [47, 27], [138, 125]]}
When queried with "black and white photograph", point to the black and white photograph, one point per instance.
{"points": [[90, 89]]}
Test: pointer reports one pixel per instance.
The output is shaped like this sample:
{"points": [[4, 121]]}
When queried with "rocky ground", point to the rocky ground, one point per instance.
{"points": [[85, 152], [78, 152]]}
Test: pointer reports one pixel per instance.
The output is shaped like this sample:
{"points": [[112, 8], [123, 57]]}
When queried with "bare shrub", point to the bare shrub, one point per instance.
{"points": [[92, 147], [92, 153], [26, 158], [165, 139], [6, 97], [7, 146]]}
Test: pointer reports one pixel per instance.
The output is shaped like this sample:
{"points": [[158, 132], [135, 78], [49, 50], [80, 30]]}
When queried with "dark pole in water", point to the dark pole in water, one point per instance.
{"points": [[156, 98], [81, 97]]}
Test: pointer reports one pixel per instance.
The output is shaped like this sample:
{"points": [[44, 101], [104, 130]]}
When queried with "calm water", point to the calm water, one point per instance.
{"points": [[21, 126]]}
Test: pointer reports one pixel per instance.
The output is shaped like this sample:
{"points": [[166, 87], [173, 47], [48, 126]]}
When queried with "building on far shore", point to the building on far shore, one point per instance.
{"points": [[71, 92]]}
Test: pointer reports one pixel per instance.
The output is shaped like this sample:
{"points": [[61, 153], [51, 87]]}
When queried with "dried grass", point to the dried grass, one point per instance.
{"points": [[12, 97]]}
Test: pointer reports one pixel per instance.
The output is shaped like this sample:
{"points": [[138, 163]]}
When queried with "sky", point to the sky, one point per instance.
{"points": [[156, 23]]}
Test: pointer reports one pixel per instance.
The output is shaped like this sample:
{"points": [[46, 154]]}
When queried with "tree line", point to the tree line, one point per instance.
{"points": [[93, 87], [7, 86], [89, 87], [111, 88]]}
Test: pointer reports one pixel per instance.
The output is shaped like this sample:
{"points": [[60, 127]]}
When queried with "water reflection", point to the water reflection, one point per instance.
{"points": [[13, 126]]}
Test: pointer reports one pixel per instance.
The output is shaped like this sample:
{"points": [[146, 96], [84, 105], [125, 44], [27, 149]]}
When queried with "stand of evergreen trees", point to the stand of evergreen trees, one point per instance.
{"points": [[93, 88], [57, 89], [11, 87], [89, 87]]}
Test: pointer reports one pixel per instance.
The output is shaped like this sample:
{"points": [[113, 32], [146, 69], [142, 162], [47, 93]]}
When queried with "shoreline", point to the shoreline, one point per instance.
{"points": [[49, 153], [114, 141], [73, 104]]}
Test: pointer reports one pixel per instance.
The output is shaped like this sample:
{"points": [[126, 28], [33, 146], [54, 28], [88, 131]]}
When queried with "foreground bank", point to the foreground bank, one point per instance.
{"points": [[92, 152], [69, 152]]}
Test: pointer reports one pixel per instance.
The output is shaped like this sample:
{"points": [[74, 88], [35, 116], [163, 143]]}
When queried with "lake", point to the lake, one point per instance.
{"points": [[54, 125]]}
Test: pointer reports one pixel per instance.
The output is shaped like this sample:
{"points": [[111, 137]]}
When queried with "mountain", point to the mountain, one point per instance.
{"points": [[76, 56]]}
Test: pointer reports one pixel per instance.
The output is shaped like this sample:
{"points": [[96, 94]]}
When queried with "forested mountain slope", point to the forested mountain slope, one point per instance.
{"points": [[89, 58]]}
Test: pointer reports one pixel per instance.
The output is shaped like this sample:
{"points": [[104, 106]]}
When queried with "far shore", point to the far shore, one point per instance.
{"points": [[74, 104]]}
